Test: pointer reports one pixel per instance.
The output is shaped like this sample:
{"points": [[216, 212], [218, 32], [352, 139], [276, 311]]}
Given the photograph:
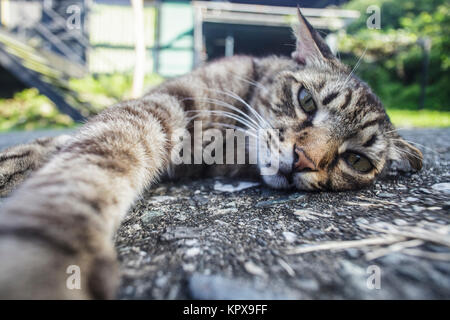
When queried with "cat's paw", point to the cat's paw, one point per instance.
{"points": [[16, 163], [41, 270]]}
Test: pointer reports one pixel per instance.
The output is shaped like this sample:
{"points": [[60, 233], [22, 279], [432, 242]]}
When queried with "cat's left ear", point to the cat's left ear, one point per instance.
{"points": [[404, 155], [310, 46]]}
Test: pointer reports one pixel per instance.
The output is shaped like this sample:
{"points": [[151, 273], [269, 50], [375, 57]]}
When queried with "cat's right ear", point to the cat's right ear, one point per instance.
{"points": [[310, 47], [404, 156]]}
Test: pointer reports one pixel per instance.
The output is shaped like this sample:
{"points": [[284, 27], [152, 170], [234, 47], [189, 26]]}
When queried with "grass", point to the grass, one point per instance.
{"points": [[403, 118], [29, 110]]}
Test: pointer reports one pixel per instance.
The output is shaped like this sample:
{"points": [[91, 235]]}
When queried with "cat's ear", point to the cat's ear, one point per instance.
{"points": [[310, 46], [404, 156]]}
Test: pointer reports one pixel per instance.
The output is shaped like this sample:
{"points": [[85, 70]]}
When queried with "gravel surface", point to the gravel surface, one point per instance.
{"points": [[196, 239]]}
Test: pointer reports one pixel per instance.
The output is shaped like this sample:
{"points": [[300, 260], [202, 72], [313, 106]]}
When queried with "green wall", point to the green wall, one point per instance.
{"points": [[176, 39], [111, 33]]}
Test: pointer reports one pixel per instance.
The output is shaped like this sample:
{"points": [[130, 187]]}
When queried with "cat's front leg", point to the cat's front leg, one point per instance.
{"points": [[17, 162], [60, 223]]}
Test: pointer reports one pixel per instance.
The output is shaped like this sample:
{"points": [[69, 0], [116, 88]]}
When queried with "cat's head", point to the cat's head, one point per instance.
{"points": [[334, 133]]}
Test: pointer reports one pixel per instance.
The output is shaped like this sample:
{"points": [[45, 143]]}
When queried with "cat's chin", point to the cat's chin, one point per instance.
{"points": [[301, 182], [277, 181], [301, 185]]}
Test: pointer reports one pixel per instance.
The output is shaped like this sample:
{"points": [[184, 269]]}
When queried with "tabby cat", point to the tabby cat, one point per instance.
{"points": [[333, 134]]}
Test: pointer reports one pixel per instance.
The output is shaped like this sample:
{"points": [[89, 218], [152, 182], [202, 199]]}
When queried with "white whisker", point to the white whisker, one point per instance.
{"points": [[249, 132], [232, 94], [229, 106], [224, 114], [406, 152], [354, 68], [236, 97], [249, 81]]}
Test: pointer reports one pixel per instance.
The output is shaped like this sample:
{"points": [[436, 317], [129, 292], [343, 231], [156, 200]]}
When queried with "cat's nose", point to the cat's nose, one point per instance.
{"points": [[302, 162]]}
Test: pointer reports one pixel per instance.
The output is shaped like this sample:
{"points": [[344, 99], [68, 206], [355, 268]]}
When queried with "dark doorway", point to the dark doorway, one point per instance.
{"points": [[247, 39]]}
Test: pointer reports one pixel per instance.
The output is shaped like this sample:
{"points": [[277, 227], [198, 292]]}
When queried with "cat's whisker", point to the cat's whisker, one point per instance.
{"points": [[253, 110], [397, 129], [406, 152], [231, 115], [354, 68], [227, 125], [236, 97], [229, 106], [225, 114], [226, 105], [249, 81]]}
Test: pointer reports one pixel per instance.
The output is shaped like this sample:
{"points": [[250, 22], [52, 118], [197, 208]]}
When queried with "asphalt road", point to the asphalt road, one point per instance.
{"points": [[195, 239]]}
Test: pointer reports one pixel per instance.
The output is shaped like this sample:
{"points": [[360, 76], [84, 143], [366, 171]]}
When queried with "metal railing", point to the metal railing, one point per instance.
{"points": [[38, 23]]}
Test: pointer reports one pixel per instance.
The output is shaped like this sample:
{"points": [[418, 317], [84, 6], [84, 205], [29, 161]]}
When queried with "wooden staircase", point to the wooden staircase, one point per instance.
{"points": [[41, 57]]}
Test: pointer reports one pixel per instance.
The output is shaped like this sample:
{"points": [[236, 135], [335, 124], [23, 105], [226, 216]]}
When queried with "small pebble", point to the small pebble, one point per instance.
{"points": [[289, 236], [426, 191], [192, 252], [254, 269], [151, 216], [385, 195], [442, 187], [400, 222]]}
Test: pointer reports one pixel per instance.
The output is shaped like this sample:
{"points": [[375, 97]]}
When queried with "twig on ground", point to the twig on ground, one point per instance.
{"points": [[428, 254], [340, 245], [400, 239], [363, 204], [412, 232], [399, 246]]}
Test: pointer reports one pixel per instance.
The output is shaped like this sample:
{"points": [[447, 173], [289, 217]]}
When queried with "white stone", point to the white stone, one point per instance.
{"points": [[289, 236], [192, 252], [242, 185], [443, 187]]}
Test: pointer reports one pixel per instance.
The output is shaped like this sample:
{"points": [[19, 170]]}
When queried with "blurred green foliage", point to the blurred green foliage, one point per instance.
{"points": [[28, 110], [392, 64], [403, 118], [104, 90]]}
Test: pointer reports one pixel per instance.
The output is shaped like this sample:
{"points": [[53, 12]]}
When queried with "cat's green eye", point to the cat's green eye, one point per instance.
{"points": [[358, 162], [306, 101]]}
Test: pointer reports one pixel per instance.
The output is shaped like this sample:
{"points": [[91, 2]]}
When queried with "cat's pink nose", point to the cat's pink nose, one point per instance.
{"points": [[301, 161]]}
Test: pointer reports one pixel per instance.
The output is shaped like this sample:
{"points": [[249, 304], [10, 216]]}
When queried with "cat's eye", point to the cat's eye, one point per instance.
{"points": [[306, 101], [358, 162]]}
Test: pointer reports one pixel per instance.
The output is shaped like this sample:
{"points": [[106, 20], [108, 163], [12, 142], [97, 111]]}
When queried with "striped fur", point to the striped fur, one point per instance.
{"points": [[66, 213]]}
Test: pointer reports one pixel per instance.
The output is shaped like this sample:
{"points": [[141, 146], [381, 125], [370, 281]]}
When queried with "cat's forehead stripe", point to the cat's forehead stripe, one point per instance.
{"points": [[371, 141], [371, 123], [348, 98], [330, 97]]}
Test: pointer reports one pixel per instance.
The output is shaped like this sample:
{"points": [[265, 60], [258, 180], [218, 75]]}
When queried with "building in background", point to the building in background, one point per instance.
{"points": [[45, 42], [243, 27]]}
